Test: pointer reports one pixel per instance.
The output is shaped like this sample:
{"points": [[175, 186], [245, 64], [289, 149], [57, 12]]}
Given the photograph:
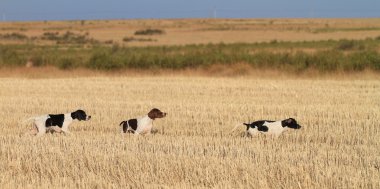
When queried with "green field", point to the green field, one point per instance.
{"points": [[324, 56]]}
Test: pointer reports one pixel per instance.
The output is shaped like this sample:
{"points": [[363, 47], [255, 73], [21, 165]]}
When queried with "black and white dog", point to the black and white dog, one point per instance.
{"points": [[274, 128], [56, 122], [142, 125]]}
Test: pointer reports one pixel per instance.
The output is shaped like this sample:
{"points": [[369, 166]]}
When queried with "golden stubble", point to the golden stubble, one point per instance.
{"points": [[338, 146]]}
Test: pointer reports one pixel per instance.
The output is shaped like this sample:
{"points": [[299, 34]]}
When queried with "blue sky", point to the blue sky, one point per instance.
{"points": [[18, 10]]}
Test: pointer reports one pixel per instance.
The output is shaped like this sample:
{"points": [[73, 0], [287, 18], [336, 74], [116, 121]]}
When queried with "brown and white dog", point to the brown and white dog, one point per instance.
{"points": [[142, 125]]}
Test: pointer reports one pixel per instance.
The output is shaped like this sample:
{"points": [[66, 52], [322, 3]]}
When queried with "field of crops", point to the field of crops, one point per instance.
{"points": [[338, 146], [295, 45]]}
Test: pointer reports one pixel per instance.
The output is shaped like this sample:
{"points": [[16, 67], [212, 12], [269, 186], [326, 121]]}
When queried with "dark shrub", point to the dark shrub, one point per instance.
{"points": [[13, 36], [37, 60], [346, 45], [68, 38], [66, 64], [149, 32]]}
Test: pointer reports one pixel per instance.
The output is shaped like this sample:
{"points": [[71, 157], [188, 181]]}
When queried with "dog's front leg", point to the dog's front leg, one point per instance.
{"points": [[52, 129]]}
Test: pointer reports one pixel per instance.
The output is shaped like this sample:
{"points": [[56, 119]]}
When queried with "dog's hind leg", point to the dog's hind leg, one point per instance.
{"points": [[41, 132], [32, 131]]}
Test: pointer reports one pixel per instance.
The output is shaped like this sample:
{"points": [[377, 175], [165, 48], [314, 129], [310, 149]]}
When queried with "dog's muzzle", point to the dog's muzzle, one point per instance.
{"points": [[88, 118]]}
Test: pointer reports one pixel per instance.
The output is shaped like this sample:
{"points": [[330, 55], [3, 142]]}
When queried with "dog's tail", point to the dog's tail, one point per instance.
{"points": [[122, 123], [26, 121], [238, 125]]}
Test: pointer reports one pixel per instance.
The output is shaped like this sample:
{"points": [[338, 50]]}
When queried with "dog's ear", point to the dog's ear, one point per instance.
{"points": [[153, 114], [290, 120], [292, 123], [79, 115]]}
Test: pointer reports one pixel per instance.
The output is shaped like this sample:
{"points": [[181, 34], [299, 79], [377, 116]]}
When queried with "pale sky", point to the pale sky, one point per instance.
{"points": [[20, 10]]}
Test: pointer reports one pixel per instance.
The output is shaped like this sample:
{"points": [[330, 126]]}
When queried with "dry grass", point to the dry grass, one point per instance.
{"points": [[197, 31], [338, 147]]}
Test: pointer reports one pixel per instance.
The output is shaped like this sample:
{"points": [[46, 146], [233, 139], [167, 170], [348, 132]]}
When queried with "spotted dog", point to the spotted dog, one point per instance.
{"points": [[275, 128], [142, 125], [56, 122]]}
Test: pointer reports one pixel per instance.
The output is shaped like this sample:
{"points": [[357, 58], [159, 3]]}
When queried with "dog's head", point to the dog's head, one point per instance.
{"points": [[156, 113], [80, 115], [291, 123]]}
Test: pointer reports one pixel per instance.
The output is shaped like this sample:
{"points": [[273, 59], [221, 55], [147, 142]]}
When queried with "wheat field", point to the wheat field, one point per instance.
{"points": [[338, 146]]}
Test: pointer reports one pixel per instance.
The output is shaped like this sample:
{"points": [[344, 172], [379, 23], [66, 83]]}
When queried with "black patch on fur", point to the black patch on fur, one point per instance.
{"points": [[55, 120], [263, 128], [131, 124], [259, 124]]}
